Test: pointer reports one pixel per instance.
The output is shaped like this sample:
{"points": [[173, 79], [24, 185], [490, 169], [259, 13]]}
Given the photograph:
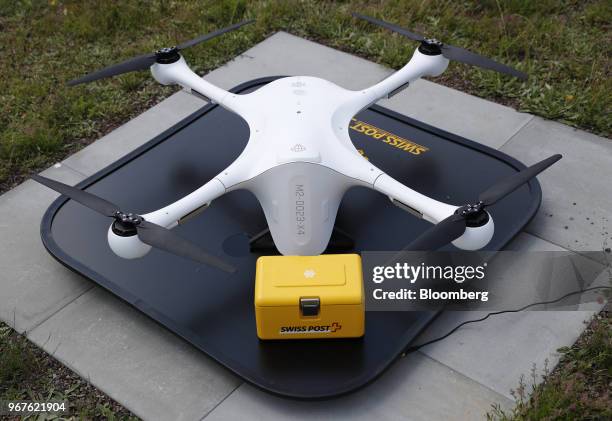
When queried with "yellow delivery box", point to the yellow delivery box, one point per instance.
{"points": [[306, 297]]}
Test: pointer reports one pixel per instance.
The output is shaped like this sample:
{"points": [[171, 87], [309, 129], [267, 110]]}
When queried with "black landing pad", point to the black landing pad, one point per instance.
{"points": [[214, 311]]}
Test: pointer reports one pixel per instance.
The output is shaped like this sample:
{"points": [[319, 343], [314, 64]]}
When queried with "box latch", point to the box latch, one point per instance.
{"points": [[310, 306]]}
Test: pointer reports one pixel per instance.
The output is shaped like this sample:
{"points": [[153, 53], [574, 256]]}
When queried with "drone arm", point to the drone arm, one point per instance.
{"points": [[417, 203], [180, 73], [176, 212], [420, 65]]}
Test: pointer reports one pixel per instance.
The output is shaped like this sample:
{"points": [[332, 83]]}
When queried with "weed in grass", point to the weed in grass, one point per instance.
{"points": [[17, 363]]}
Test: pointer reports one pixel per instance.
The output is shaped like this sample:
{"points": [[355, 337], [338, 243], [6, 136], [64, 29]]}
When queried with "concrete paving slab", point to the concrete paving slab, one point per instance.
{"points": [[497, 351], [134, 133], [415, 388], [137, 362], [285, 54], [33, 285], [576, 210], [483, 121]]}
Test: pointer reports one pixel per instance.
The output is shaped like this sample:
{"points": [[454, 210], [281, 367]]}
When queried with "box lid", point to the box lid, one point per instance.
{"points": [[283, 280]]}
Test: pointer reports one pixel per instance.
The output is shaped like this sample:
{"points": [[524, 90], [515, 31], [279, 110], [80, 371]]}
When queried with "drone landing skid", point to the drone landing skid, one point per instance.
{"points": [[214, 310]]}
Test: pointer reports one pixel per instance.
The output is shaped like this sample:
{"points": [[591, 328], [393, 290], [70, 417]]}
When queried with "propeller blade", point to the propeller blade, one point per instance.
{"points": [[507, 185], [148, 232], [213, 34], [86, 199], [392, 27], [442, 233], [450, 51], [460, 54], [145, 61], [137, 63], [164, 239]]}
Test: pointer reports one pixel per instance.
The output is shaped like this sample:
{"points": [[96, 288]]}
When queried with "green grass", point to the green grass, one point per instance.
{"points": [[578, 388], [28, 373], [564, 45]]}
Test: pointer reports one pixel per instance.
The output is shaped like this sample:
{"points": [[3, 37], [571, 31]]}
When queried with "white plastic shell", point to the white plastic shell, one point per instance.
{"points": [[299, 159], [475, 238], [127, 247]]}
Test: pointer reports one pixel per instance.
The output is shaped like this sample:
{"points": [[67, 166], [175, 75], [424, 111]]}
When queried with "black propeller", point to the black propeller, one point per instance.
{"points": [[431, 46], [474, 215], [164, 56], [131, 224]]}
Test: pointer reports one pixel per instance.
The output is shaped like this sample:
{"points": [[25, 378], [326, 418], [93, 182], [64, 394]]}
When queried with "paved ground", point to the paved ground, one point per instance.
{"points": [[158, 376]]}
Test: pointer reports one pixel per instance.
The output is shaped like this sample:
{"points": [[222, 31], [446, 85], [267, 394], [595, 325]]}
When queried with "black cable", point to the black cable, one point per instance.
{"points": [[414, 348]]}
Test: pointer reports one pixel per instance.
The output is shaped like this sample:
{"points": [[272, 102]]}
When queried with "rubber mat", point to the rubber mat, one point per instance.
{"points": [[214, 311]]}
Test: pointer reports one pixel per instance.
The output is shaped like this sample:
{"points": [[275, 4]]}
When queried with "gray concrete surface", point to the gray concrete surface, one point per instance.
{"points": [[576, 210], [159, 376], [415, 388], [498, 351], [133, 359], [33, 286]]}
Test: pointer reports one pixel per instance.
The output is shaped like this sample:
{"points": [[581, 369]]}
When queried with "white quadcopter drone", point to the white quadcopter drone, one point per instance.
{"points": [[299, 160]]}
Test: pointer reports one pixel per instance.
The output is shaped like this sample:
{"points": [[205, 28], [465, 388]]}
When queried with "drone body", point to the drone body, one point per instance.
{"points": [[299, 159]]}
